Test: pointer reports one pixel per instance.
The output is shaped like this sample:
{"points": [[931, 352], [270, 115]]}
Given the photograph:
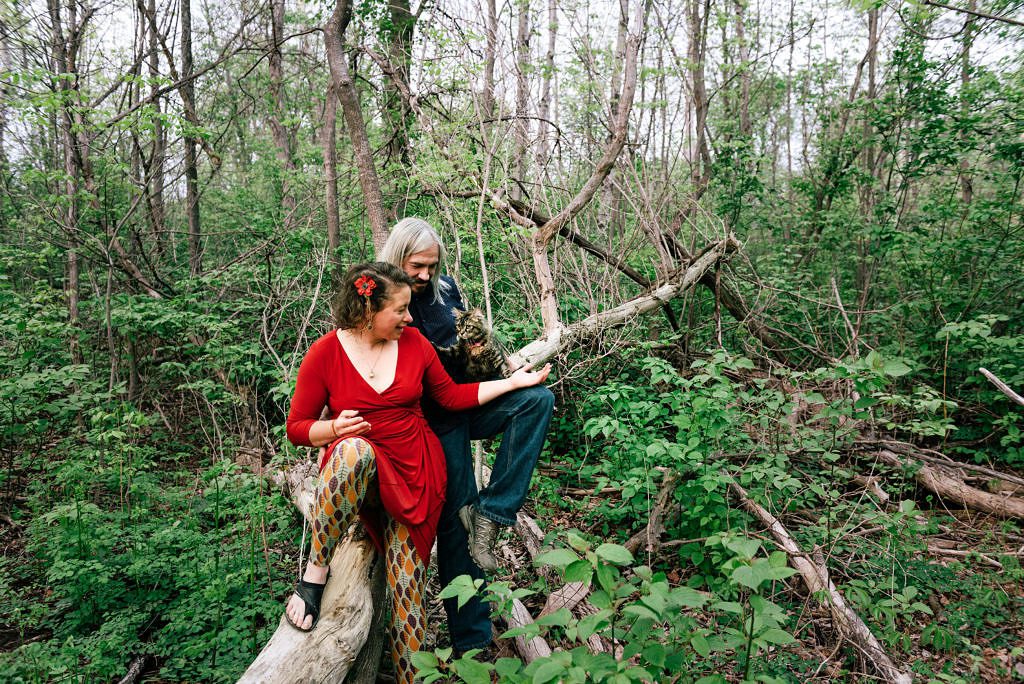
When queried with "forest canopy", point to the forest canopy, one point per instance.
{"points": [[768, 246]]}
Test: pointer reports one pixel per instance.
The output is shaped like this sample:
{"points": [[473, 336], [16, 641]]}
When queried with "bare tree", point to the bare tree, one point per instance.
{"points": [[344, 86], [398, 35], [281, 133], [969, 32], [490, 51], [195, 247], [522, 130], [155, 167], [544, 106], [328, 138], [66, 36]]}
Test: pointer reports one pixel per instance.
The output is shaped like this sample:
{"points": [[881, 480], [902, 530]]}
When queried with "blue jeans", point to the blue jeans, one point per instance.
{"points": [[522, 417]]}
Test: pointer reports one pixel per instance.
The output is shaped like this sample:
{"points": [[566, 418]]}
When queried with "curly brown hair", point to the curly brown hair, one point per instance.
{"points": [[351, 309]]}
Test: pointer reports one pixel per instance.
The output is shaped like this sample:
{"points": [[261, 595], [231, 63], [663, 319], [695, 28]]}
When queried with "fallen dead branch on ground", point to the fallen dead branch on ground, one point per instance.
{"points": [[845, 620], [572, 595], [650, 537], [948, 487]]}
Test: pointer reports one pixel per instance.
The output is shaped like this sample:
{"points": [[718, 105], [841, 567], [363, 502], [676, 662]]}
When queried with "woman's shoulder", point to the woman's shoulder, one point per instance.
{"points": [[325, 345], [411, 335]]}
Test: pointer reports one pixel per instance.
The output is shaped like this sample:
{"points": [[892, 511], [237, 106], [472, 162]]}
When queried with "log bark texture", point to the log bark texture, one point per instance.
{"points": [[956, 490]]}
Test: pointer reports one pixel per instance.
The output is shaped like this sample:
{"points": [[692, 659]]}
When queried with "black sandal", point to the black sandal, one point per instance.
{"points": [[311, 594]]}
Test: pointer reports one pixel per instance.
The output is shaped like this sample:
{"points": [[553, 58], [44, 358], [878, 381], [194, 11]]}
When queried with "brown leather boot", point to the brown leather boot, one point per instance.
{"points": [[482, 533]]}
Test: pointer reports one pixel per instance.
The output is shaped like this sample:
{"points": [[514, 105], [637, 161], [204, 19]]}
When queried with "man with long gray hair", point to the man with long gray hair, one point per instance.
{"points": [[470, 518]]}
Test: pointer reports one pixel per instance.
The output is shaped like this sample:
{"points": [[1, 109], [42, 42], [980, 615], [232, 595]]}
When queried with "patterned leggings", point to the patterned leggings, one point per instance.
{"points": [[349, 472]]}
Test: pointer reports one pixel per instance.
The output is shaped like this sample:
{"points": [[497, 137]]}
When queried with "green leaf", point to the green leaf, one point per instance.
{"points": [[895, 368], [424, 660], [557, 557], [774, 635], [614, 553], [579, 571], [472, 671], [548, 671], [700, 645], [591, 624], [560, 618]]}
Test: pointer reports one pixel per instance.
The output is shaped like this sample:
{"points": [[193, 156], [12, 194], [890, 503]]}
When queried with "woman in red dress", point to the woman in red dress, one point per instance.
{"points": [[371, 372]]}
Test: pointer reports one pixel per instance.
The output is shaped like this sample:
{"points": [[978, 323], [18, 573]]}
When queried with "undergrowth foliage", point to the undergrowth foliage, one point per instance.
{"points": [[136, 540]]}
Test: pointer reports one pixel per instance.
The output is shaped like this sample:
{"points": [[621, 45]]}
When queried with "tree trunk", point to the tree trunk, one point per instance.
{"points": [[743, 54], [155, 168], [700, 173], [396, 111], [966, 183], [281, 133], [490, 50], [64, 55], [544, 107], [5, 66], [522, 128], [334, 33], [328, 138], [195, 247]]}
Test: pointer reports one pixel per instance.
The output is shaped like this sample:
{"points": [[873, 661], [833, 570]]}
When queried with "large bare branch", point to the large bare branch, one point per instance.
{"points": [[563, 337], [1003, 387], [620, 129]]}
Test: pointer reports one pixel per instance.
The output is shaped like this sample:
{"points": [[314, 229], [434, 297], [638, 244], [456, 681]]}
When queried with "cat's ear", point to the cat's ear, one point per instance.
{"points": [[456, 312]]}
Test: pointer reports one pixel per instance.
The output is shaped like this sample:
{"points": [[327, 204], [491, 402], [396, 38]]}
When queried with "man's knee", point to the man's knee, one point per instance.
{"points": [[541, 399]]}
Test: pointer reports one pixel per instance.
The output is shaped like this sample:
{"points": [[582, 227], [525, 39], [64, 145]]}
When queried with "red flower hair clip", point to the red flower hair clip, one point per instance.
{"points": [[365, 286]]}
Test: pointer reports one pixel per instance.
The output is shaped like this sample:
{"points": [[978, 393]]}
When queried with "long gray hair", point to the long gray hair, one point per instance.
{"points": [[411, 235]]}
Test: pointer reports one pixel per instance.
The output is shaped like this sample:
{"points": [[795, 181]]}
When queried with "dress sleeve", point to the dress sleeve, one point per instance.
{"points": [[309, 399], [442, 388]]}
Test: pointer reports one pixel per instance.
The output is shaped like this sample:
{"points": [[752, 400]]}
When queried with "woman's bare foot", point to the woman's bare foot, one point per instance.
{"points": [[296, 609]]}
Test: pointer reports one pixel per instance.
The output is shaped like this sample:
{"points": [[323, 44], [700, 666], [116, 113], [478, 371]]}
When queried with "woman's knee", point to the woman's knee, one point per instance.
{"points": [[353, 453]]}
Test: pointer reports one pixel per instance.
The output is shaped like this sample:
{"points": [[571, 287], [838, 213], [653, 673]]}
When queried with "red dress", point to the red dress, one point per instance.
{"points": [[410, 462]]}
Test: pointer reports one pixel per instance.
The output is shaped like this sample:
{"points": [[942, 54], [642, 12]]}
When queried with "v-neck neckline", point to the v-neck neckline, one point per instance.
{"points": [[380, 393]]}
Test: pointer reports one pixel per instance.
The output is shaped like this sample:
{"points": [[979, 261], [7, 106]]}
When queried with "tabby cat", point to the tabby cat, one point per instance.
{"points": [[476, 348]]}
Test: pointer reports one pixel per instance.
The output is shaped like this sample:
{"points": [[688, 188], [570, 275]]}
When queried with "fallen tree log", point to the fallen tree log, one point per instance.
{"points": [[327, 653], [650, 536], [571, 595], [931, 456], [846, 621], [947, 487], [565, 336]]}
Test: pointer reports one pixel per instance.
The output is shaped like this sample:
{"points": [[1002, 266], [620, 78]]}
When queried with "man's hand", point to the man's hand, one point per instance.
{"points": [[524, 377]]}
